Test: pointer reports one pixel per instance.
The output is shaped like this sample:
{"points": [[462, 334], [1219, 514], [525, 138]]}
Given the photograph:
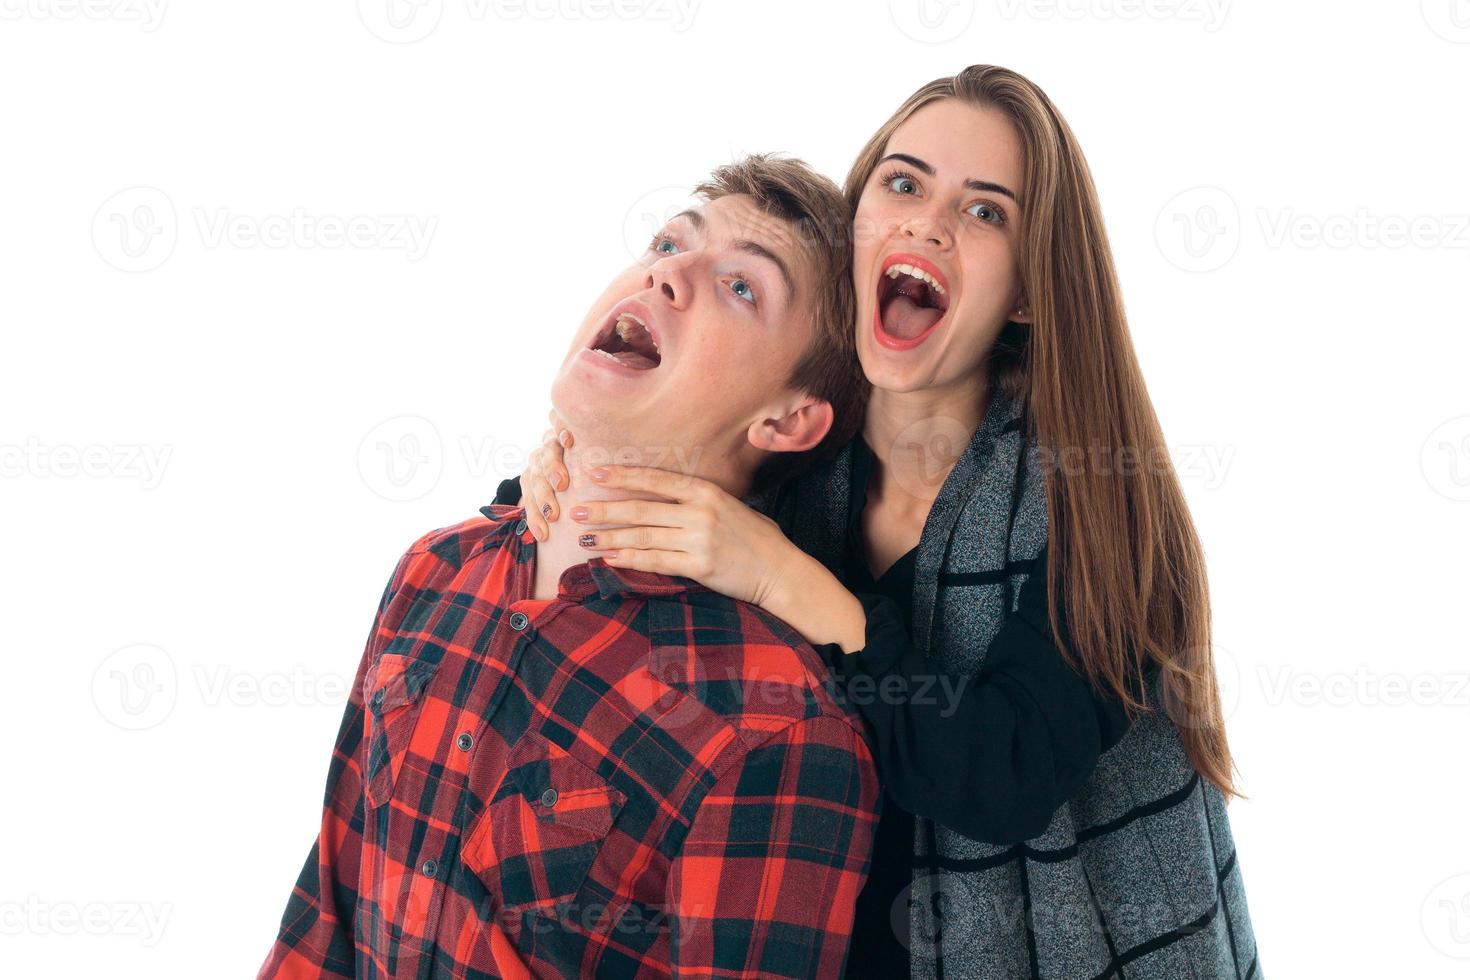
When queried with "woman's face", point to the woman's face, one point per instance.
{"points": [[936, 237]]}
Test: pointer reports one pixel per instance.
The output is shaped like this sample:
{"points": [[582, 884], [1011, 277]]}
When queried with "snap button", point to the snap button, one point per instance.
{"points": [[521, 526], [464, 741], [378, 697], [548, 798], [519, 620], [430, 868]]}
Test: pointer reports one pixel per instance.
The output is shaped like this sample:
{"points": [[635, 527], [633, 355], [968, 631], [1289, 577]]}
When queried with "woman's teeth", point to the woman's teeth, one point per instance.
{"points": [[894, 271]]}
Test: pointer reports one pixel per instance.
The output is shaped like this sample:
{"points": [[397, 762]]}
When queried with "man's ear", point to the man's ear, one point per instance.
{"points": [[803, 426]]}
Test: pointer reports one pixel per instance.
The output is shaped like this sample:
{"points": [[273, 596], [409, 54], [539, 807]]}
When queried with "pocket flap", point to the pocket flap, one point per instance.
{"points": [[394, 681], [559, 789]]}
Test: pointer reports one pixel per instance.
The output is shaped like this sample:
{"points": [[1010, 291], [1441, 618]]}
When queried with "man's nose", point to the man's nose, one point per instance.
{"points": [[671, 279]]}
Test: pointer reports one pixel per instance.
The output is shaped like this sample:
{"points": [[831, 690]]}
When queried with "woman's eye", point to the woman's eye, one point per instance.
{"points": [[742, 289], [903, 185], [986, 212], [665, 246]]}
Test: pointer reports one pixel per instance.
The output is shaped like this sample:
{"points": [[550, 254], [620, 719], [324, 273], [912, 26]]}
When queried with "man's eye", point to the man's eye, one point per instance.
{"points": [[903, 185], [664, 246], [742, 289]]}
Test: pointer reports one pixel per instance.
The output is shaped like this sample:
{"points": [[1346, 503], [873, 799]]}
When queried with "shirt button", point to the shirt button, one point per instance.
{"points": [[521, 526], [518, 621], [464, 741], [548, 798], [430, 868], [378, 697]]}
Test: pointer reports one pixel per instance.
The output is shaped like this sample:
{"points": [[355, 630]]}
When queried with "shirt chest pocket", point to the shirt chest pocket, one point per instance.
{"points": [[543, 827], [393, 693]]}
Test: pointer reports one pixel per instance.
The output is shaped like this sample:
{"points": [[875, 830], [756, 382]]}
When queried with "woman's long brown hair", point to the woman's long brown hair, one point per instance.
{"points": [[1123, 549]]}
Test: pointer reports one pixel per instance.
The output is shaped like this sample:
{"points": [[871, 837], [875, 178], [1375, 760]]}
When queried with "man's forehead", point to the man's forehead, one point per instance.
{"points": [[737, 216]]}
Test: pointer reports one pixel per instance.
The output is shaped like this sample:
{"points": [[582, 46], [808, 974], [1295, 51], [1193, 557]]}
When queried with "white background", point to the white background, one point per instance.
{"points": [[221, 425]]}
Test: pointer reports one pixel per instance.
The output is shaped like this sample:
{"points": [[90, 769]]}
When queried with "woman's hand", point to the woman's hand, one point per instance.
{"points": [[546, 473], [716, 539]]}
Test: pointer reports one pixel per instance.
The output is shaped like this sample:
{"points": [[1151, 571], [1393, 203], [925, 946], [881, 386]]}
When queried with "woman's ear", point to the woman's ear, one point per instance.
{"points": [[1022, 312]]}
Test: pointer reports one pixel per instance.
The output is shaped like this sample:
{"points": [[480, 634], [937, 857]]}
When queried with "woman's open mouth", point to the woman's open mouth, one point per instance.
{"points": [[912, 298]]}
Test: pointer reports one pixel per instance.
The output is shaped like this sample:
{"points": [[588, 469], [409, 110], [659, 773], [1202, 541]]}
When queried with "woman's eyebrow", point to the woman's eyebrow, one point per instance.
{"points": [[989, 186]]}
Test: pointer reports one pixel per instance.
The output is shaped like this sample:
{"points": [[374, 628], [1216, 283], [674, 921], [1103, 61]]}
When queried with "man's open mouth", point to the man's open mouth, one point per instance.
{"points": [[626, 339], [911, 300]]}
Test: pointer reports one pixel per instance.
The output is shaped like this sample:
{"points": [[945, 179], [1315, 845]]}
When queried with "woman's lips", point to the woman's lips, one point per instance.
{"points": [[910, 291]]}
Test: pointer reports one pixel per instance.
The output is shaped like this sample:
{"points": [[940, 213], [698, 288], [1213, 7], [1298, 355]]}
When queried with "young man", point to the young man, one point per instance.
{"points": [[554, 767]]}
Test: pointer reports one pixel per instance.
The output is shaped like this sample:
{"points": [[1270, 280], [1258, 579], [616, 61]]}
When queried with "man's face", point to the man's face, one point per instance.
{"points": [[687, 351]]}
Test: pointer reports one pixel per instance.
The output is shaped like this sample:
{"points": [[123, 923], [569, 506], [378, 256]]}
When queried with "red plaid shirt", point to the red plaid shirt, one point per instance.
{"points": [[638, 778]]}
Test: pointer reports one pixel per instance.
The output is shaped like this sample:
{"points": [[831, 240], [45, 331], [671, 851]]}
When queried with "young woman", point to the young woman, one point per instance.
{"points": [[1000, 567]]}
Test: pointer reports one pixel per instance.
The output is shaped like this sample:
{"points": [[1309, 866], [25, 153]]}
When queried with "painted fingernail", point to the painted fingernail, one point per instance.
{"points": [[598, 474], [545, 510], [579, 513], [566, 481], [609, 554], [564, 437], [588, 541]]}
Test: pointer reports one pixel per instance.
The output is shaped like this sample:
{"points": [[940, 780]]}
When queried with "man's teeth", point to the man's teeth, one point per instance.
{"points": [[626, 323], [894, 271]]}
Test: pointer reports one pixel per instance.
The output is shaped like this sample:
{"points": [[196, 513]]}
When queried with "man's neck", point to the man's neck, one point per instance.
{"points": [[561, 549]]}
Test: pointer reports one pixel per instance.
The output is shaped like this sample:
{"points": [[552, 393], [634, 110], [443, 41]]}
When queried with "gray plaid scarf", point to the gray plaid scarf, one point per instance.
{"points": [[1136, 876]]}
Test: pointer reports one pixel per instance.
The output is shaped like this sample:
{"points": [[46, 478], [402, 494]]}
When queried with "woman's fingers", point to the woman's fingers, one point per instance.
{"points": [[660, 562], [666, 483], [642, 538], [553, 453], [649, 512]]}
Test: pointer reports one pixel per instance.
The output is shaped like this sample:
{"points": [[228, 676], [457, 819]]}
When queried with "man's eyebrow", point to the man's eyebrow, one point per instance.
{"points": [[973, 184], [759, 250], [695, 218]]}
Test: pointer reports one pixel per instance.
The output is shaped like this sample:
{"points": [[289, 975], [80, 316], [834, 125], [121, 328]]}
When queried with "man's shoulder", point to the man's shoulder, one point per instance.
{"points": [[455, 544], [744, 663]]}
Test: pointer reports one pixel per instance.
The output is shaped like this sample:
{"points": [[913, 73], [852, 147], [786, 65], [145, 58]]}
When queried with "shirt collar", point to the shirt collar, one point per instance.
{"points": [[580, 581]]}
